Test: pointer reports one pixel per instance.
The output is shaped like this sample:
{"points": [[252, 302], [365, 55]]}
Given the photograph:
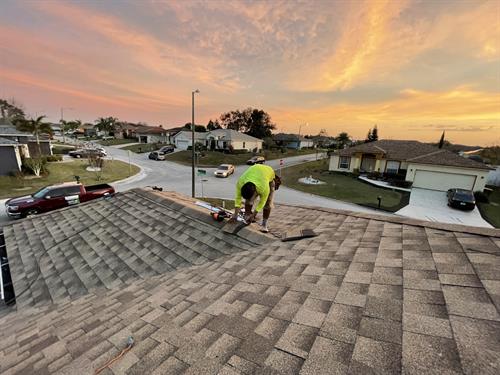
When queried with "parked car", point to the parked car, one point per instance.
{"points": [[167, 149], [256, 160], [462, 199], [86, 152], [156, 155], [107, 137], [224, 170], [54, 197]]}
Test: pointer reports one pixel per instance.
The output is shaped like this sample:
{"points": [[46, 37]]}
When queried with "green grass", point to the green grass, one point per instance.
{"points": [[491, 211], [343, 187], [144, 147], [65, 172], [114, 142], [214, 158]]}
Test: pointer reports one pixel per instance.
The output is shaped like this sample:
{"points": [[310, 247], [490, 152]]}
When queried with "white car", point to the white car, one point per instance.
{"points": [[224, 170]]}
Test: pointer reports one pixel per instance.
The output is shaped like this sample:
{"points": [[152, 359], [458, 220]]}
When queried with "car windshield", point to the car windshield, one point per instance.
{"points": [[464, 196], [223, 167], [41, 193]]}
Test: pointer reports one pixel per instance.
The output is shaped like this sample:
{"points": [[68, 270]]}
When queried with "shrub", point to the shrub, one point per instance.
{"points": [[355, 171], [240, 152], [62, 150], [34, 165], [52, 158], [481, 197], [374, 175], [400, 183]]}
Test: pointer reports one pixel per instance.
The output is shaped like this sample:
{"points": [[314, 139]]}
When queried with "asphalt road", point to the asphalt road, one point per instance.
{"points": [[176, 177]]}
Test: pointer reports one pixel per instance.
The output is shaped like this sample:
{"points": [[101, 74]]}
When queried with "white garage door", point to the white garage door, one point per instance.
{"points": [[182, 145], [442, 181]]}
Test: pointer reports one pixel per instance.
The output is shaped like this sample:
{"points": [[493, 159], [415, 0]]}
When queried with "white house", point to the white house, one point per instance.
{"points": [[426, 166], [225, 139], [183, 139]]}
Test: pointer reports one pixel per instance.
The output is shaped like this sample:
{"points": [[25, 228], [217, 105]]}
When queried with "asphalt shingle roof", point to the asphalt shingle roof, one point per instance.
{"points": [[413, 151], [369, 294]]}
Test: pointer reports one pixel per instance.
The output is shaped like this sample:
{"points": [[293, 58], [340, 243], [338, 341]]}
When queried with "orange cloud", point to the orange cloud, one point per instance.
{"points": [[400, 117]]}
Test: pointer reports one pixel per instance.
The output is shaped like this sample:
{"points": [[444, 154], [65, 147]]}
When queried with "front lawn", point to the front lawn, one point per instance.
{"points": [[491, 211], [215, 158], [114, 142], [65, 172], [343, 187], [144, 147]]}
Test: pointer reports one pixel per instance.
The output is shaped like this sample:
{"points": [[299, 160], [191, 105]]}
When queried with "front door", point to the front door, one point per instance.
{"points": [[368, 163]]}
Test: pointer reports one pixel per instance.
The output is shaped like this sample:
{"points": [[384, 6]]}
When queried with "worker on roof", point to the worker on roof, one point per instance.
{"points": [[257, 181]]}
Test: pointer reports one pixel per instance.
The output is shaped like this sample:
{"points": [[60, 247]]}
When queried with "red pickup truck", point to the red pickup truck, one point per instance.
{"points": [[53, 197]]}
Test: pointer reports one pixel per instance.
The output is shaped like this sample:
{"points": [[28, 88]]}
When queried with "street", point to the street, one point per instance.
{"points": [[176, 177]]}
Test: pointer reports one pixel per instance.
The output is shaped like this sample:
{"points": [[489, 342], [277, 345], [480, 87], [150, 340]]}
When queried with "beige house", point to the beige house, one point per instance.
{"points": [[426, 166], [225, 139]]}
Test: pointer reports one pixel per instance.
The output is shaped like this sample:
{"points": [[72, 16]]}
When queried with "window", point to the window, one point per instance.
{"points": [[344, 162], [392, 166], [72, 190], [243, 144]]}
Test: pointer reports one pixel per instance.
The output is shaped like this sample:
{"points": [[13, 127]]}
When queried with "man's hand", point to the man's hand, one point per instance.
{"points": [[234, 218], [250, 218]]}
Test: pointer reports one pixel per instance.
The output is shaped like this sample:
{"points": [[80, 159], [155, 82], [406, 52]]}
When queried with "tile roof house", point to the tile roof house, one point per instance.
{"points": [[369, 294], [426, 166], [30, 148]]}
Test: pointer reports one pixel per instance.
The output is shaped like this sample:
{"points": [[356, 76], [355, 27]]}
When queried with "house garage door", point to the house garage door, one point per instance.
{"points": [[442, 181], [182, 145]]}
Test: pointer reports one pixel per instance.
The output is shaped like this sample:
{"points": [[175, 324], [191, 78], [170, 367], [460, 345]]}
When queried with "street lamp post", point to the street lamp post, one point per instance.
{"points": [[192, 143], [298, 141]]}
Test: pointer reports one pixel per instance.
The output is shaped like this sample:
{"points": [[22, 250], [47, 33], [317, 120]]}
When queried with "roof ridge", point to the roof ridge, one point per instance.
{"points": [[428, 154], [380, 148]]}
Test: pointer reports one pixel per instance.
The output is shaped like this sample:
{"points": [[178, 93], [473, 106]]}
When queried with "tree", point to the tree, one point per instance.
{"points": [[11, 110], [106, 124], [441, 141], [254, 122], [197, 128], [372, 135], [35, 127], [343, 139], [213, 125], [69, 126]]}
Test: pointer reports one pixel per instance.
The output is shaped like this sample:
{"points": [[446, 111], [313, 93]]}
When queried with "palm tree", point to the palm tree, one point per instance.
{"points": [[106, 124], [343, 139], [35, 127]]}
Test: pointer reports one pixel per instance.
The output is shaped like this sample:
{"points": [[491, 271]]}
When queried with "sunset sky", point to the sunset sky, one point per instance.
{"points": [[414, 68]]}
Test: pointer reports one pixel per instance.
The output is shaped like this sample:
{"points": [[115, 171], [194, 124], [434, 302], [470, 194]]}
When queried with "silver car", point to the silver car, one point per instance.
{"points": [[224, 170]]}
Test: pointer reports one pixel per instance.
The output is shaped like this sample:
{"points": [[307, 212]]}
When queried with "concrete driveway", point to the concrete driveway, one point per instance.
{"points": [[432, 205]]}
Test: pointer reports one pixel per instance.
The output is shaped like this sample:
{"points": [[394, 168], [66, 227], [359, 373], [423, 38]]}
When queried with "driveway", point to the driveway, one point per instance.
{"points": [[432, 205]]}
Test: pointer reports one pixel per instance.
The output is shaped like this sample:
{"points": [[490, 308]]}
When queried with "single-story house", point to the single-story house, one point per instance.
{"points": [[226, 139], [183, 139], [426, 166], [10, 155], [152, 134], [31, 150], [292, 141], [87, 130]]}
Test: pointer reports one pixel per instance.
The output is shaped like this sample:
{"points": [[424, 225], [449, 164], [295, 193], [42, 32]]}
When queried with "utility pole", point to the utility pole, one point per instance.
{"points": [[193, 144]]}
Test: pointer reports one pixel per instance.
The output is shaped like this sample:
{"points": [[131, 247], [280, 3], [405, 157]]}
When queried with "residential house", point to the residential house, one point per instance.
{"points": [[426, 166], [10, 156], [228, 139], [155, 134], [87, 130], [31, 145], [198, 299], [292, 141], [183, 139]]}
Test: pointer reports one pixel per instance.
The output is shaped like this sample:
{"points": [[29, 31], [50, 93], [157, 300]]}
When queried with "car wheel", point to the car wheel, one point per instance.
{"points": [[32, 212]]}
